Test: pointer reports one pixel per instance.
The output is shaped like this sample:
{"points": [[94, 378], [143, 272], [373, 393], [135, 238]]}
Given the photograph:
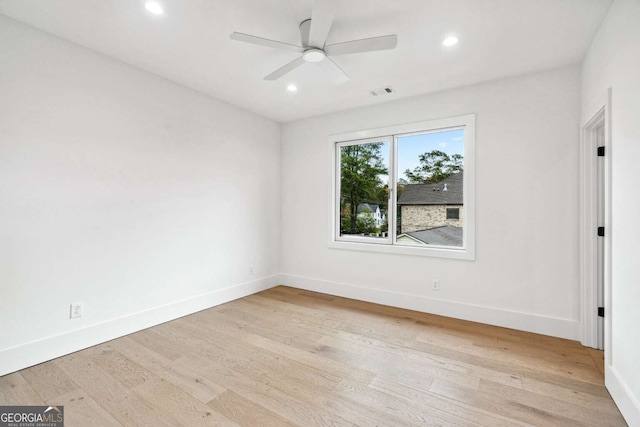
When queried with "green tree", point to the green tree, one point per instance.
{"points": [[366, 223], [435, 166], [382, 194], [361, 165]]}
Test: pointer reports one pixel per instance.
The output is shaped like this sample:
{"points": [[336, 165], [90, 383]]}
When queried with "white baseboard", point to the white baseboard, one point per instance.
{"points": [[557, 327], [28, 354], [627, 403]]}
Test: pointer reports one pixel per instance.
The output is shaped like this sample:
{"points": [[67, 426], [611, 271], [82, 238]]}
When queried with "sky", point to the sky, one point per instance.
{"points": [[410, 147]]}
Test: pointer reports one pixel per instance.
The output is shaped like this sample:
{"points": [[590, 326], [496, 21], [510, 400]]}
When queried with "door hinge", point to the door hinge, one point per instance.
{"points": [[600, 311], [600, 151], [600, 231]]}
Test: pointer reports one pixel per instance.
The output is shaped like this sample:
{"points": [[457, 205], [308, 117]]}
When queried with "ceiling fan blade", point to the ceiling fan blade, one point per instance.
{"points": [[285, 69], [321, 20], [304, 32], [265, 42], [336, 73], [363, 45]]}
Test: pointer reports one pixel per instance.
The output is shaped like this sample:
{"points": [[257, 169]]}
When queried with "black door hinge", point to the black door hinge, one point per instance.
{"points": [[600, 231], [600, 151], [600, 311]]}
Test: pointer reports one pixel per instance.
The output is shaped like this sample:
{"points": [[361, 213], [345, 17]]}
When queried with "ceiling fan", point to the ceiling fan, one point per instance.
{"points": [[313, 35]]}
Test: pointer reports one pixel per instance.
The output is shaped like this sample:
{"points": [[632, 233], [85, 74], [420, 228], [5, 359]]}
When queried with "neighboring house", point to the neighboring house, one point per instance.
{"points": [[374, 210], [424, 206], [432, 214]]}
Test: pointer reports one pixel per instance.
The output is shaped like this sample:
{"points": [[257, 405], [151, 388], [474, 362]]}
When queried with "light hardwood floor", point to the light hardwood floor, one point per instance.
{"points": [[292, 357]]}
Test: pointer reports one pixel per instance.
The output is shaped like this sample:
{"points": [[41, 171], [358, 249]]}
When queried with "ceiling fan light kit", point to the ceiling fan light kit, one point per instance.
{"points": [[313, 35], [313, 55]]}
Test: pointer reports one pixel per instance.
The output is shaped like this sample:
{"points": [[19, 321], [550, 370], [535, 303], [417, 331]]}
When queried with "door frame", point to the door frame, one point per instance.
{"points": [[597, 116]]}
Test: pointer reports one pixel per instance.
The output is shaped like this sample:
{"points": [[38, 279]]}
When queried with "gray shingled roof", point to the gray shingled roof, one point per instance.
{"points": [[434, 194], [447, 235]]}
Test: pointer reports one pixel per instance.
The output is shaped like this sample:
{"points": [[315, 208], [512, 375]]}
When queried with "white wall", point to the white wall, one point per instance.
{"points": [[525, 275], [613, 61], [141, 198]]}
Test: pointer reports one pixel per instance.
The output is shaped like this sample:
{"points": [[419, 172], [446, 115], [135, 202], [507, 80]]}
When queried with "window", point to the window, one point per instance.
{"points": [[364, 190], [453, 213], [405, 189]]}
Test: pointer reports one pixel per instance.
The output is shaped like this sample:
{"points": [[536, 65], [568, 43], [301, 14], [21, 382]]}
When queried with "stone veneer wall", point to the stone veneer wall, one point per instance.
{"points": [[420, 217]]}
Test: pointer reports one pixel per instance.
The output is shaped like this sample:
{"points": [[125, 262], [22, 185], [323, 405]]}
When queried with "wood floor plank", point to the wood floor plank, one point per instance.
{"points": [[121, 402], [80, 410], [120, 367], [153, 341], [301, 356], [48, 381], [518, 369], [185, 378], [283, 404], [315, 360], [398, 407], [419, 359], [410, 372], [500, 406], [15, 390], [581, 414], [571, 395], [246, 412], [432, 400], [350, 410], [246, 356], [283, 379], [317, 395], [598, 359], [237, 320], [288, 356], [361, 319], [569, 369], [179, 405]]}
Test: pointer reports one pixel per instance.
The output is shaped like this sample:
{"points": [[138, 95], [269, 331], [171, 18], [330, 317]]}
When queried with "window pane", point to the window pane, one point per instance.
{"points": [[430, 199], [364, 189], [453, 213]]}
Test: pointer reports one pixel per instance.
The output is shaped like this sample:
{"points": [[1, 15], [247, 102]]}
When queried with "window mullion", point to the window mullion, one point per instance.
{"points": [[393, 164]]}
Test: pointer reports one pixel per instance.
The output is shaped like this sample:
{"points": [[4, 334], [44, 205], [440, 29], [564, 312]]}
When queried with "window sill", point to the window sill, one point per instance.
{"points": [[466, 254]]}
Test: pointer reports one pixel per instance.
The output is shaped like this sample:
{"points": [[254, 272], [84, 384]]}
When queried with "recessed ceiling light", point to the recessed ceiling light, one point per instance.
{"points": [[154, 7], [451, 41], [292, 88]]}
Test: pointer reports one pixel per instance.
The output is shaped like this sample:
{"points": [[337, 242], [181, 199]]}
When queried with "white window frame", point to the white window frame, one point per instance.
{"points": [[390, 134]]}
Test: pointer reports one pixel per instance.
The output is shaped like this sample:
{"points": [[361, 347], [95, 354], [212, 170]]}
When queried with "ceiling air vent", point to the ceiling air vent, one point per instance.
{"points": [[382, 91]]}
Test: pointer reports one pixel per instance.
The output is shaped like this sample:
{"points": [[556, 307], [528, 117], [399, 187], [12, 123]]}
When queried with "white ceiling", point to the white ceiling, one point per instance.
{"points": [[190, 44]]}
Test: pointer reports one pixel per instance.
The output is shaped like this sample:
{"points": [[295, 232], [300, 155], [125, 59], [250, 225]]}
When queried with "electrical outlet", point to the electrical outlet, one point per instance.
{"points": [[436, 285], [251, 270], [76, 310]]}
